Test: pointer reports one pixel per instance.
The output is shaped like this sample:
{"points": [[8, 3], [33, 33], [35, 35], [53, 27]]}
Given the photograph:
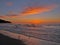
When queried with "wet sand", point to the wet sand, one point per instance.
{"points": [[5, 40]]}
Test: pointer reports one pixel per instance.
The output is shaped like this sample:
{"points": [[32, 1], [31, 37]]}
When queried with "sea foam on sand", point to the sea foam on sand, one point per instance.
{"points": [[28, 40]]}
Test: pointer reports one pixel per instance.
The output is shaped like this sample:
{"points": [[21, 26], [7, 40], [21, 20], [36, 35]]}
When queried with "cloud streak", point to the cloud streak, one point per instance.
{"points": [[31, 11], [37, 10]]}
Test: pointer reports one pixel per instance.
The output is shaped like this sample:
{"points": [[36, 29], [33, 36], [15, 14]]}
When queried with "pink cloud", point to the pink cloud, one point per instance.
{"points": [[9, 3]]}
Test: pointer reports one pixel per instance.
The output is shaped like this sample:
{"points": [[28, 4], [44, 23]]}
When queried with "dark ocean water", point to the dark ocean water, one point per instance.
{"points": [[48, 32]]}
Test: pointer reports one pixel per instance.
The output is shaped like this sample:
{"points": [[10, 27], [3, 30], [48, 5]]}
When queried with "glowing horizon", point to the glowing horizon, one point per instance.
{"points": [[32, 13]]}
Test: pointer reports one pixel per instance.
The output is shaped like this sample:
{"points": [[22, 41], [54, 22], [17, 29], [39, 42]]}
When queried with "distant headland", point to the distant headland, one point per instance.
{"points": [[4, 21]]}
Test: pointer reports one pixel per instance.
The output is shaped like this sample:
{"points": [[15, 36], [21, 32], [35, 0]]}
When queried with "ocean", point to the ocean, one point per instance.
{"points": [[46, 32]]}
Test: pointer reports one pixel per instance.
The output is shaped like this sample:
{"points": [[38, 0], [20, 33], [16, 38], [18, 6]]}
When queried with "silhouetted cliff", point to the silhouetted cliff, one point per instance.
{"points": [[3, 21]]}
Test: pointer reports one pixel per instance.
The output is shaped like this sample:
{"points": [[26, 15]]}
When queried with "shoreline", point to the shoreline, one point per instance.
{"points": [[28, 40], [5, 40]]}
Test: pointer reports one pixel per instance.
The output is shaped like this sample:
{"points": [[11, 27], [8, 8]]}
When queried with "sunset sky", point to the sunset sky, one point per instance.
{"points": [[30, 11]]}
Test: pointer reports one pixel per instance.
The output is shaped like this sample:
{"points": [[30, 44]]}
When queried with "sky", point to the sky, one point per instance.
{"points": [[30, 11]]}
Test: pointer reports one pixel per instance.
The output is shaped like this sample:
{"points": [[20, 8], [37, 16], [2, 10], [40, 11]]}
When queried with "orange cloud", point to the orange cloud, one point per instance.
{"points": [[30, 11], [12, 16], [37, 10], [8, 17]]}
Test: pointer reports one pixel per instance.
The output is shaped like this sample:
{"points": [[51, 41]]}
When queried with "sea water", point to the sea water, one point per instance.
{"points": [[48, 32]]}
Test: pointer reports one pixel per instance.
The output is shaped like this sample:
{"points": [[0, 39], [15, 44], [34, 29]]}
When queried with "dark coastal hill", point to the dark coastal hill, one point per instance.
{"points": [[3, 21]]}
